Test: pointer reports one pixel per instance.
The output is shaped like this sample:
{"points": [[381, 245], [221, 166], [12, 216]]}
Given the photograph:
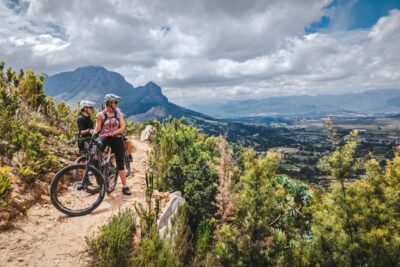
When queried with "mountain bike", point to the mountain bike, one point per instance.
{"points": [[80, 188], [127, 160]]}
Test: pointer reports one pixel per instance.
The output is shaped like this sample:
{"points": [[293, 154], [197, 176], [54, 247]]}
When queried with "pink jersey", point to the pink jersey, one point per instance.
{"points": [[111, 124]]}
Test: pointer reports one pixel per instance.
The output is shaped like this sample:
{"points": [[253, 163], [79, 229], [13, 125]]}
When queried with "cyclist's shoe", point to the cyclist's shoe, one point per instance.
{"points": [[126, 191], [130, 157]]}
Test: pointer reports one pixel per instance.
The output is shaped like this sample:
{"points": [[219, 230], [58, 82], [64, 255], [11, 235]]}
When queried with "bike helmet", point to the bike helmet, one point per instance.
{"points": [[86, 103], [111, 98]]}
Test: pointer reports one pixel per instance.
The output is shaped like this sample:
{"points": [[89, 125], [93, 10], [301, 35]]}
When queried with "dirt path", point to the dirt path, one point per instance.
{"points": [[48, 238]]}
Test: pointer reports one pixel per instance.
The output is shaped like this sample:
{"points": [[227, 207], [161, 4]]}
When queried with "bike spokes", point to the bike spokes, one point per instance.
{"points": [[75, 194]]}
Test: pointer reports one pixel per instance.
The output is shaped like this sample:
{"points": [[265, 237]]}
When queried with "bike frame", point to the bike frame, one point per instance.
{"points": [[103, 156]]}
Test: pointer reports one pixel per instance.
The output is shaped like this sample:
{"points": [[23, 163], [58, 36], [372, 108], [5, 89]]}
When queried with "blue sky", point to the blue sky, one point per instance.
{"points": [[360, 14], [212, 51]]}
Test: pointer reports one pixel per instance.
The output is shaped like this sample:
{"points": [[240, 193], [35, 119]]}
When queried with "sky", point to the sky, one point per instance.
{"points": [[212, 51]]}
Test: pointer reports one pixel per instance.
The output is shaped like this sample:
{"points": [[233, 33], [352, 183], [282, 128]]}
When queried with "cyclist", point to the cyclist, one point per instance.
{"points": [[128, 143], [85, 124], [111, 124]]}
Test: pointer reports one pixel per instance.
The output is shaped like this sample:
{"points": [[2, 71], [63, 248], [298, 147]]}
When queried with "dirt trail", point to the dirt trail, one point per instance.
{"points": [[46, 237]]}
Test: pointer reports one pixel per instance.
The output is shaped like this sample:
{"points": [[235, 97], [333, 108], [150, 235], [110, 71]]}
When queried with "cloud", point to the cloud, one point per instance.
{"points": [[207, 49]]}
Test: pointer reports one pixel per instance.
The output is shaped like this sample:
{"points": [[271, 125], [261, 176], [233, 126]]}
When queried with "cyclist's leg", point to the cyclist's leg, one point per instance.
{"points": [[117, 145]]}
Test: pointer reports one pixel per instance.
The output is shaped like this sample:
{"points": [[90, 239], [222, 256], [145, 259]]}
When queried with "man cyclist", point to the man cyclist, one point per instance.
{"points": [[111, 125], [85, 124]]}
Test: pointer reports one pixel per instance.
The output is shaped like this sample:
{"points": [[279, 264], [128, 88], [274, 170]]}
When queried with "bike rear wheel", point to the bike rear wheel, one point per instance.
{"points": [[111, 174], [127, 165], [69, 190]]}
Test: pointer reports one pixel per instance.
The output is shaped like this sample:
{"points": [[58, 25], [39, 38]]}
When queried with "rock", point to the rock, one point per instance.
{"points": [[146, 134], [161, 195], [175, 194], [4, 215], [48, 177], [25, 198], [45, 198], [3, 225], [44, 188], [170, 211]]}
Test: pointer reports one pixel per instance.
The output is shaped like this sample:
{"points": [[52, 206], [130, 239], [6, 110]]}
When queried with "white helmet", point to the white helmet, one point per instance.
{"points": [[111, 98], [86, 103]]}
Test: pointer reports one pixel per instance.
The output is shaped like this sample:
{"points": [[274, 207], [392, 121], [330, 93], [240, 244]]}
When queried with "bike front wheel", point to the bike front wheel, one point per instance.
{"points": [[93, 188], [69, 190]]}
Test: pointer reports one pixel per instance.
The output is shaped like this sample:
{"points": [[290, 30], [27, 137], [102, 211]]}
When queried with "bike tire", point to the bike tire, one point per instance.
{"points": [[81, 159], [92, 189], [112, 175], [55, 195], [127, 165]]}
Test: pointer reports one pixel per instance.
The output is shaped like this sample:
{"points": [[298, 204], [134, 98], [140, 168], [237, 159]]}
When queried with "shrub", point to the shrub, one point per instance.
{"points": [[153, 251], [203, 242], [113, 244], [182, 160], [5, 183], [267, 217]]}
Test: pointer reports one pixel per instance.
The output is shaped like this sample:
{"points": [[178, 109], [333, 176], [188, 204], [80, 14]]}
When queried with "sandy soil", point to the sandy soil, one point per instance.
{"points": [[46, 237]]}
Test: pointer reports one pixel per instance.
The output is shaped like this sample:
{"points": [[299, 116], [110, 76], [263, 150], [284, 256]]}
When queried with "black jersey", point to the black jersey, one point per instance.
{"points": [[84, 123]]}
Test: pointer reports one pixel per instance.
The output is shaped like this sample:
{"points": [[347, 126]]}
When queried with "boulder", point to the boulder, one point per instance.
{"points": [[4, 219], [170, 211], [146, 134]]}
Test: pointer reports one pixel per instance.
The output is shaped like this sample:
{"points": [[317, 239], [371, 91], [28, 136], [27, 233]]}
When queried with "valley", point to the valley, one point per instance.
{"points": [[303, 140]]}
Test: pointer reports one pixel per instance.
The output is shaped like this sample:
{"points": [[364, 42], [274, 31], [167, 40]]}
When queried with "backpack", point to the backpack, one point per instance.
{"points": [[116, 116]]}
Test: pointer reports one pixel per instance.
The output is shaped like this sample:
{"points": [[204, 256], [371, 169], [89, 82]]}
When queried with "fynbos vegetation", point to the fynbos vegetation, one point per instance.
{"points": [[274, 220]]}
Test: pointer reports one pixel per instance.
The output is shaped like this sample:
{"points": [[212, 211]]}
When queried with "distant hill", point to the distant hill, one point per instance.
{"points": [[93, 82], [367, 103]]}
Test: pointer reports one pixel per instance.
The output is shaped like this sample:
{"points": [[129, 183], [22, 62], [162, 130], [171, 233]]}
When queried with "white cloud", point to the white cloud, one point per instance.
{"points": [[206, 49]]}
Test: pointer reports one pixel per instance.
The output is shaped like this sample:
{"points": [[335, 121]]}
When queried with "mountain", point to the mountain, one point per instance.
{"points": [[367, 103], [138, 103]]}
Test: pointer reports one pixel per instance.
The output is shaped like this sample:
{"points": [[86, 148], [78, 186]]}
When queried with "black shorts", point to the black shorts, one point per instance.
{"points": [[117, 147]]}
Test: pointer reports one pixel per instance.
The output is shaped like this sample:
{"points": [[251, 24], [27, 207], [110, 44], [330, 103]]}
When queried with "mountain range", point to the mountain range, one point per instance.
{"points": [[374, 102], [147, 102], [93, 82]]}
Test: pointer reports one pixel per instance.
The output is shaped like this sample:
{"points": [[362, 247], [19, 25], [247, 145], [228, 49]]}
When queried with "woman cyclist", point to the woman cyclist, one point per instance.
{"points": [[85, 124], [111, 125]]}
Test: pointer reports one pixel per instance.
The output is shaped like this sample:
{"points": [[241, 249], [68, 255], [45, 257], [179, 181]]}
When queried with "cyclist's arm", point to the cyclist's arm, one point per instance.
{"points": [[98, 123], [81, 126]]}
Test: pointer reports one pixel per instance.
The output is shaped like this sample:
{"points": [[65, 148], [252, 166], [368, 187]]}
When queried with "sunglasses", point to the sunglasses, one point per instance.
{"points": [[116, 102]]}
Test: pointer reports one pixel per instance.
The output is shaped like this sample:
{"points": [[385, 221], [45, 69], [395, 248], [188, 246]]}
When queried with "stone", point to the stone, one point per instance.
{"points": [[45, 198], [48, 177], [170, 211], [4, 215], [146, 134], [44, 188]]}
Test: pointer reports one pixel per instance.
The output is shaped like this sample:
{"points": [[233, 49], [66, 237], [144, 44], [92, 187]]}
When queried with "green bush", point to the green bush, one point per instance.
{"points": [[356, 224], [153, 251], [182, 159], [134, 127], [200, 192], [267, 219], [203, 243], [112, 246], [5, 183]]}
